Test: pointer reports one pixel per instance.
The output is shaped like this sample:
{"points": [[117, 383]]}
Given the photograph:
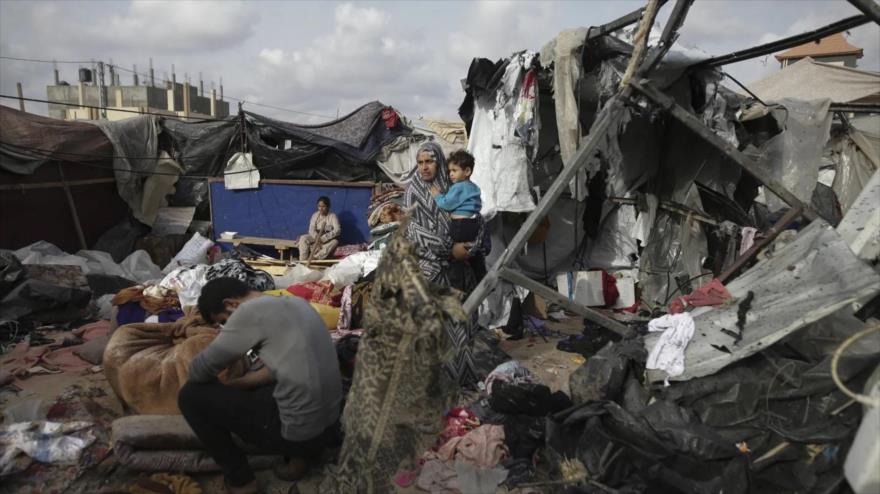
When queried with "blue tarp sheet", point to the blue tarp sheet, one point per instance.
{"points": [[284, 210]]}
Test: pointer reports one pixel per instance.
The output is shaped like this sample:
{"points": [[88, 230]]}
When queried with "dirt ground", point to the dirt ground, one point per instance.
{"points": [[87, 395]]}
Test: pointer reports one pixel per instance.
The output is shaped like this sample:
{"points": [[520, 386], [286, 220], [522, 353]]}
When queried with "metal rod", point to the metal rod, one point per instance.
{"points": [[855, 107], [619, 23], [692, 122], [73, 213], [606, 118], [548, 293], [670, 34], [868, 7], [782, 44], [769, 236]]}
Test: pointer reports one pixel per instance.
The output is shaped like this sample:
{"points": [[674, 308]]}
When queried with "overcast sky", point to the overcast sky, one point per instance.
{"points": [[324, 58]]}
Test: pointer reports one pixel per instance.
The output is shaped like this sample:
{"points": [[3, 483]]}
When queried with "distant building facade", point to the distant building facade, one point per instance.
{"points": [[171, 98], [834, 49]]}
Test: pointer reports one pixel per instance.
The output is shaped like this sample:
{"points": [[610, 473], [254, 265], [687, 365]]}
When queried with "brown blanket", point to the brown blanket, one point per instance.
{"points": [[147, 364]]}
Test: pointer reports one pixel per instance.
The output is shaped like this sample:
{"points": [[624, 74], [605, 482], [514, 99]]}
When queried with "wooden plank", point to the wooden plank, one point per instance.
{"points": [[552, 295], [319, 183], [54, 185], [271, 242]]}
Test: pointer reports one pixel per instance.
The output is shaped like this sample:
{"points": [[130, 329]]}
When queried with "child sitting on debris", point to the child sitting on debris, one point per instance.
{"points": [[463, 203]]}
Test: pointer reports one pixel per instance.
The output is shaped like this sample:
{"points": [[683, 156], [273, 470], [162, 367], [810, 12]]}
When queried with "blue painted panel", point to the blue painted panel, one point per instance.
{"points": [[284, 210]]}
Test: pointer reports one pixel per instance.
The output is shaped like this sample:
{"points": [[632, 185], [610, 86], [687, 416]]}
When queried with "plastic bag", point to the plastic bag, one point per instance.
{"points": [[140, 267], [187, 282], [195, 251], [297, 274]]}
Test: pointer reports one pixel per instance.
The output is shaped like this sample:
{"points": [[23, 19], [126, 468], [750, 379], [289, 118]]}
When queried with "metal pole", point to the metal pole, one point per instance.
{"points": [[670, 34], [73, 212], [607, 117], [689, 120], [868, 7], [769, 236], [555, 297], [20, 96], [102, 96], [790, 42]]}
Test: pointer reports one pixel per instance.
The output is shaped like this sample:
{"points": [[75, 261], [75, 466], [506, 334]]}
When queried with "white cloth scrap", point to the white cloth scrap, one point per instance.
{"points": [[748, 238], [668, 353]]}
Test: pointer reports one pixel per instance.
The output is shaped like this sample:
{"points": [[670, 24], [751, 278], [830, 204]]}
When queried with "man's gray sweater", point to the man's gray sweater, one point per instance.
{"points": [[293, 342]]}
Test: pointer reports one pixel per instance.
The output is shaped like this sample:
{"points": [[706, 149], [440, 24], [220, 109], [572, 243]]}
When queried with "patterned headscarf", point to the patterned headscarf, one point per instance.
{"points": [[428, 226]]}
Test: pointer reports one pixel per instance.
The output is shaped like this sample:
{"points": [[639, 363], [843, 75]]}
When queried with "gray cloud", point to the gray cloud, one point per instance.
{"points": [[320, 58]]}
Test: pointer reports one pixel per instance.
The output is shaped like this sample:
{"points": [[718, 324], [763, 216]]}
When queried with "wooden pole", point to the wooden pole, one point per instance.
{"points": [[20, 96], [73, 212]]}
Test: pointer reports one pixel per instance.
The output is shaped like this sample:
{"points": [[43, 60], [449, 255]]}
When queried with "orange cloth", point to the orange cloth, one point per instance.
{"points": [[152, 305]]}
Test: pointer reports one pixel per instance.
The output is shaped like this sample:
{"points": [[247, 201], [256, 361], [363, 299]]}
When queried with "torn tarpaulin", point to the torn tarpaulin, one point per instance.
{"points": [[808, 279]]}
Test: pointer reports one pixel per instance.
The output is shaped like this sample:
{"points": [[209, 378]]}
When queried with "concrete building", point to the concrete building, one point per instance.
{"points": [[173, 99], [834, 49]]}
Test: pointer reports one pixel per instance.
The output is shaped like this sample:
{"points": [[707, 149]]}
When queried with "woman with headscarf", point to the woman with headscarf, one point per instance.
{"points": [[441, 262], [323, 236], [429, 230]]}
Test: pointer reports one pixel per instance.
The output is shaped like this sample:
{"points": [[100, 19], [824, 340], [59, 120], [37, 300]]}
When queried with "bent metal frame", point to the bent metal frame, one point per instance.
{"points": [[611, 113]]}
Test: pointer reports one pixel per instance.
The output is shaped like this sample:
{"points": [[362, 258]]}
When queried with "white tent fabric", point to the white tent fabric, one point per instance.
{"points": [[811, 80]]}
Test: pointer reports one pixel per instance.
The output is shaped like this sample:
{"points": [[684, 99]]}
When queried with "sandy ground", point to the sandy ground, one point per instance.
{"points": [[90, 397]]}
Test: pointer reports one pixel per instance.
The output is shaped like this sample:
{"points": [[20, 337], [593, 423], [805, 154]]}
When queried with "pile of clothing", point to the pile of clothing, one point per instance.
{"points": [[492, 441], [384, 213]]}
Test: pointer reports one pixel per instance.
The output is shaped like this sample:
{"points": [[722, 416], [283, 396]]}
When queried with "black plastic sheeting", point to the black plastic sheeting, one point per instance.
{"points": [[45, 293], [344, 149], [774, 422], [341, 150]]}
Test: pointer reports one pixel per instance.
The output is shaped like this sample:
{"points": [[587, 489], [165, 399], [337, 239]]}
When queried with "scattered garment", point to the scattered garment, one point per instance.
{"points": [[459, 421], [668, 353], [319, 292], [503, 125], [531, 399], [148, 303], [748, 238], [510, 372], [166, 483], [344, 251], [482, 447], [46, 442], [711, 294], [24, 360], [474, 480]]}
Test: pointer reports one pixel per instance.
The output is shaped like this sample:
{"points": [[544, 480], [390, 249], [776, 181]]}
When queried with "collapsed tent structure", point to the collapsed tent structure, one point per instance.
{"points": [[722, 250]]}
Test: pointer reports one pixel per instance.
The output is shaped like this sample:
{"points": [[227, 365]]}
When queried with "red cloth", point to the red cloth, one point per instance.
{"points": [[609, 288], [344, 251], [459, 421], [53, 358], [319, 292], [712, 294], [390, 117]]}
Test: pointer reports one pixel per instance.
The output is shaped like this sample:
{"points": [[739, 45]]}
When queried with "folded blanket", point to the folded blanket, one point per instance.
{"points": [[165, 443], [147, 364]]}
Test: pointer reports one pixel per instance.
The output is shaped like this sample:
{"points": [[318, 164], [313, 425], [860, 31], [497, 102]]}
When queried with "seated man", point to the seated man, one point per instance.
{"points": [[289, 407]]}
